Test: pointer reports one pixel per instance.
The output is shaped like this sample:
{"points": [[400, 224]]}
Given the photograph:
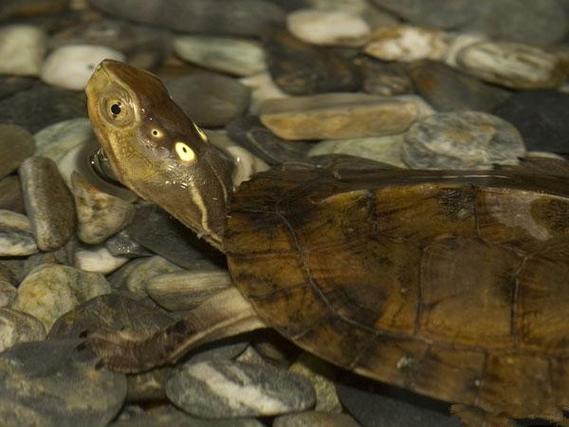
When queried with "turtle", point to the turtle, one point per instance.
{"points": [[451, 284]]}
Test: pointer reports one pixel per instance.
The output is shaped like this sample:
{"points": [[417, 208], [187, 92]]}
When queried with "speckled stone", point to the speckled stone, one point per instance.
{"points": [[41, 106], [542, 117], [96, 259], [406, 44], [51, 384], [211, 100], [185, 290], [71, 66], [170, 416], [22, 48], [11, 194], [228, 55], [463, 140], [385, 78], [51, 290], [512, 65], [328, 28], [298, 68], [222, 389], [16, 145], [16, 238], [339, 116], [315, 419], [448, 89], [121, 245], [17, 327], [236, 17], [250, 133], [57, 140], [8, 291], [109, 311], [385, 149], [99, 214], [160, 233], [49, 203]]}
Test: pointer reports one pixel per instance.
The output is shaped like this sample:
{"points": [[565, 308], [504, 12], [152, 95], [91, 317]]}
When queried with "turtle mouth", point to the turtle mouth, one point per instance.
{"points": [[101, 166]]}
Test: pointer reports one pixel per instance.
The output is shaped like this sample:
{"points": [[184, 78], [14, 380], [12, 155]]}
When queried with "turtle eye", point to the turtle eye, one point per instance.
{"points": [[117, 111], [184, 152]]}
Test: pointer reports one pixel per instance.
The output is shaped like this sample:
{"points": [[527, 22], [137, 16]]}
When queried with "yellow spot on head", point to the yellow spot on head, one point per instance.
{"points": [[184, 152], [201, 132]]}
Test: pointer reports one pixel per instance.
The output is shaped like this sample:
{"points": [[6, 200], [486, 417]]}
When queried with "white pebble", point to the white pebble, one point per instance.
{"points": [[71, 66], [328, 28], [22, 49]]}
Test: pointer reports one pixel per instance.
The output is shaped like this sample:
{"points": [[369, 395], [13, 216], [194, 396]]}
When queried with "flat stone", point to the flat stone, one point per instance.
{"points": [[406, 44], [262, 87], [185, 290], [50, 383], [542, 117], [110, 311], [448, 14], [328, 28], [211, 100], [99, 215], [223, 389], [16, 145], [512, 65], [22, 48], [41, 106], [385, 78], [250, 133], [320, 374], [121, 245], [17, 327], [56, 140], [8, 290], [228, 55], [246, 163], [339, 116], [96, 259], [49, 203], [448, 89], [226, 349], [299, 68], [16, 238], [28, 8], [315, 419], [11, 194], [160, 233], [462, 140], [236, 17], [71, 66], [459, 42], [139, 277], [51, 290], [374, 404], [384, 149], [170, 416]]}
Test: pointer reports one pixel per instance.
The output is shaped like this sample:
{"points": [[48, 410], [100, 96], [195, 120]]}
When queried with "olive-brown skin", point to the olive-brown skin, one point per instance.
{"points": [[452, 284]]}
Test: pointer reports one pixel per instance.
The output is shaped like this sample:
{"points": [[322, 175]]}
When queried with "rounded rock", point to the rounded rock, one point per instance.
{"points": [[224, 389], [463, 140], [56, 140], [17, 327], [16, 145], [331, 28], [16, 238], [22, 48], [71, 66]]}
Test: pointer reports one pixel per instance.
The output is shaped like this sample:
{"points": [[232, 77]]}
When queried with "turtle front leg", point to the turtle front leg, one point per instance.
{"points": [[222, 315]]}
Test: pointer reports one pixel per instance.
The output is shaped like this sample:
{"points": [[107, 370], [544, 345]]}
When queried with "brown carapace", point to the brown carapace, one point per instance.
{"points": [[454, 285]]}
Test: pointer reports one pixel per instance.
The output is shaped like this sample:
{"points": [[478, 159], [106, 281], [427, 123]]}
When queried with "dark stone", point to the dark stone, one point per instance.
{"points": [[122, 245], [542, 117], [374, 404], [10, 9], [110, 311], [53, 383], [448, 89], [211, 100], [16, 145], [11, 194], [10, 85], [160, 233], [41, 106], [299, 68], [232, 17], [49, 203], [385, 78], [250, 133]]}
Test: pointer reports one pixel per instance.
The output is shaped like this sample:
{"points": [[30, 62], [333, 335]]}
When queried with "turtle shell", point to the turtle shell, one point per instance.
{"points": [[452, 284]]}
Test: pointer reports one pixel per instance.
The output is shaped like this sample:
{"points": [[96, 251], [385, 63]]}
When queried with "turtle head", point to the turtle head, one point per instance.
{"points": [[157, 151]]}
